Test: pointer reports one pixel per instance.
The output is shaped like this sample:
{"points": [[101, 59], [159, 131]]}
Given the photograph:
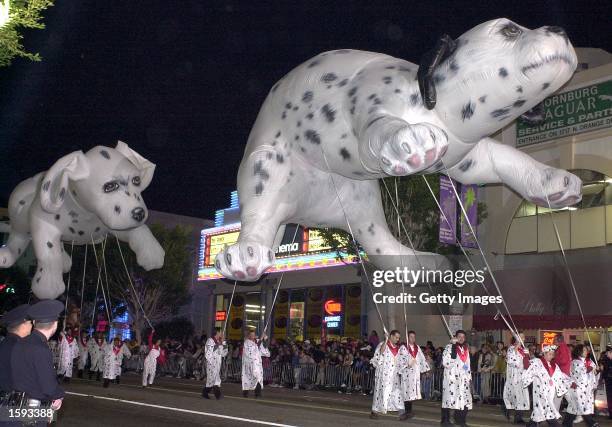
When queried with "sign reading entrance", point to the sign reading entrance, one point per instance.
{"points": [[569, 113]]}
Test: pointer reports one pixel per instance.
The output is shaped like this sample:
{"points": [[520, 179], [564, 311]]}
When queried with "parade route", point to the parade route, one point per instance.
{"points": [[172, 402]]}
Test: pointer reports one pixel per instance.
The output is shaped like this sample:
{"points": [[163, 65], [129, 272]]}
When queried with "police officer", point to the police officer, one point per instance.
{"points": [[606, 362], [19, 326], [32, 360]]}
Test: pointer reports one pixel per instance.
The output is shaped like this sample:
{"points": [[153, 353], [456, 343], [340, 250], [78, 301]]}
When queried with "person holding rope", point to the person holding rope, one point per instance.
{"points": [[113, 357], [215, 351], [96, 356], [387, 384], [548, 382], [413, 364], [83, 347], [68, 351], [252, 368], [585, 378], [456, 391], [150, 362], [516, 397]]}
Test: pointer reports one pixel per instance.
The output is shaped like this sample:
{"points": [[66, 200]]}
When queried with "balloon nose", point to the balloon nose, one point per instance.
{"points": [[138, 214]]}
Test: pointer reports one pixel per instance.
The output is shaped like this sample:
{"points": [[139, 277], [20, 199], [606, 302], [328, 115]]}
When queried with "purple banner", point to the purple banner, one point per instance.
{"points": [[469, 198], [448, 204]]}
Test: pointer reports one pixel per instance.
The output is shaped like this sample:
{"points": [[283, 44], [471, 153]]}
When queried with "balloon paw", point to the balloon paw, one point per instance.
{"points": [[245, 261]]}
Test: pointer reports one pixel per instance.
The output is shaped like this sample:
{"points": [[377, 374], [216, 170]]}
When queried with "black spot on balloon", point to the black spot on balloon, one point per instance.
{"points": [[117, 209], [503, 72], [468, 111], [345, 154], [328, 112], [49, 245], [483, 98], [307, 97], [105, 154], [519, 103], [57, 217], [328, 77], [46, 185], [312, 136], [465, 165]]}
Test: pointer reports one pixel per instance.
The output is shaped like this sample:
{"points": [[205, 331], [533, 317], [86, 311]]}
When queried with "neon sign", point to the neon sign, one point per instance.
{"points": [[332, 307], [220, 316]]}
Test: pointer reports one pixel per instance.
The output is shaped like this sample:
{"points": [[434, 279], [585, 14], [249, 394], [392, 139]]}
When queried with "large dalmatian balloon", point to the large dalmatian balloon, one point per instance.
{"points": [[346, 118], [83, 197]]}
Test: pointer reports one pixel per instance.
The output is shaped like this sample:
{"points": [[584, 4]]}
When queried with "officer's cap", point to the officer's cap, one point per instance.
{"points": [[16, 316], [46, 310]]}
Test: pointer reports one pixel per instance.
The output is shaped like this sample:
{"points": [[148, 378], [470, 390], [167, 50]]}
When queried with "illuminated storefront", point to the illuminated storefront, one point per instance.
{"points": [[320, 296]]}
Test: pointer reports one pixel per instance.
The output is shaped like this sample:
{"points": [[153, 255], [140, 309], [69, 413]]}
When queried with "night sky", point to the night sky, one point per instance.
{"points": [[182, 81]]}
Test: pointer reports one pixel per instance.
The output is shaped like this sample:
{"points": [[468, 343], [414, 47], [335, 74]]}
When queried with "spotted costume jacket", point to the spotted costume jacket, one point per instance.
{"points": [[214, 354], [545, 388], [68, 351], [113, 360], [580, 398], [515, 395], [252, 369], [456, 392], [411, 369], [387, 381]]}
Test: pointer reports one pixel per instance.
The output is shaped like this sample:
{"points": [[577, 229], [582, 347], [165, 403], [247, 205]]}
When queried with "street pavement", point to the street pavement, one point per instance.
{"points": [[178, 402]]}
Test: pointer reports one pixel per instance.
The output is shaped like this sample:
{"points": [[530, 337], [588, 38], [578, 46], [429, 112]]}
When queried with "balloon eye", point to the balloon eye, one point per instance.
{"points": [[511, 31], [136, 180], [110, 186]]}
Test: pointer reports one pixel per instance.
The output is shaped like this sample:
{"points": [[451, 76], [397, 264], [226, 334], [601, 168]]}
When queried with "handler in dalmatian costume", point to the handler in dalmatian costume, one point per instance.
{"points": [[83, 344], [114, 353], [334, 125], [68, 351], [150, 362], [97, 347], [387, 386], [456, 392], [81, 199], [215, 351], [516, 397], [548, 382], [252, 368], [413, 364], [585, 378]]}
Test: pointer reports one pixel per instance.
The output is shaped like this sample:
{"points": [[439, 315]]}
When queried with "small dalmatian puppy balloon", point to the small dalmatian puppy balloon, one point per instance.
{"points": [[334, 125], [82, 198]]}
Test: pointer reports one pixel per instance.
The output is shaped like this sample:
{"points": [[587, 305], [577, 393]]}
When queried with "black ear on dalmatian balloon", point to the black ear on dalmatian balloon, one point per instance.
{"points": [[443, 49], [144, 166], [535, 116], [54, 185]]}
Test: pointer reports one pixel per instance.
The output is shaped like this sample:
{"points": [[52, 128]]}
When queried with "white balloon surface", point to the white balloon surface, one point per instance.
{"points": [[82, 198], [334, 125]]}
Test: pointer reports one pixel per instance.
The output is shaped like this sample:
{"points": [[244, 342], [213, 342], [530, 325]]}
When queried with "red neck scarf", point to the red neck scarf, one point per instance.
{"points": [[550, 367], [116, 349], [462, 351], [393, 348], [522, 351], [587, 362], [69, 339], [415, 352]]}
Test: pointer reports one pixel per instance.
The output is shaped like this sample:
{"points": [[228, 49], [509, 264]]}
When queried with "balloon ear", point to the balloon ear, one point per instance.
{"points": [[74, 166], [429, 62], [145, 167], [535, 116]]}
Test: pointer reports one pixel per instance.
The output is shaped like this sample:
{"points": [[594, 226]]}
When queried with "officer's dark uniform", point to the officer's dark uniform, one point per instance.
{"points": [[607, 377], [32, 360], [12, 318]]}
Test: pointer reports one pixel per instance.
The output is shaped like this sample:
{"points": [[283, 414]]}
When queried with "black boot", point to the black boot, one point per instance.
{"points": [[205, 392], [460, 417], [217, 392], [445, 420], [518, 417], [106, 383], [90, 374], [258, 390], [80, 373], [117, 380], [98, 376], [66, 380], [245, 393], [507, 412], [568, 419]]}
